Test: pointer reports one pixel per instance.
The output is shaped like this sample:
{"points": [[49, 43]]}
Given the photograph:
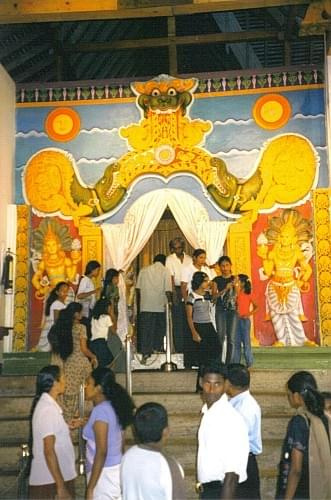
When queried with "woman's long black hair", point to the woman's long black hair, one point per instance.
{"points": [[110, 274], [60, 335], [101, 307], [53, 296], [44, 383], [305, 384], [115, 394], [90, 266]]}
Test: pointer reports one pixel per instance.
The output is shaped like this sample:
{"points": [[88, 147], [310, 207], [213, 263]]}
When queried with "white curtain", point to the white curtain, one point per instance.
{"points": [[193, 219], [125, 241]]}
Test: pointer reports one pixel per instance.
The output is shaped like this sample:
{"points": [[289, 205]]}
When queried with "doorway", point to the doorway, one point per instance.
{"points": [[166, 230]]}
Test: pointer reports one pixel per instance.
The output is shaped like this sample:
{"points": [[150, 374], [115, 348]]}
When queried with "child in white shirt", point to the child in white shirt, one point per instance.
{"points": [[101, 322]]}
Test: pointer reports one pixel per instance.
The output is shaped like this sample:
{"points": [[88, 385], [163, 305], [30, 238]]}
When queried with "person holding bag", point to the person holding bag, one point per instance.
{"points": [[305, 466]]}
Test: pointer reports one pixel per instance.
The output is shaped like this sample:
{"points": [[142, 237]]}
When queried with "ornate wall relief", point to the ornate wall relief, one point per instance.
{"points": [[322, 226], [21, 299]]}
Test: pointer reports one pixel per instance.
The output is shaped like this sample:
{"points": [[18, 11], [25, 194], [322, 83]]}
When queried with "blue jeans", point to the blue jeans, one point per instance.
{"points": [[226, 326], [243, 338]]}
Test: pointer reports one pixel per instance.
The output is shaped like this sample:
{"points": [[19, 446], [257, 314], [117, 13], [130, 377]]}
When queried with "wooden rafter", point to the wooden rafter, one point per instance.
{"points": [[41, 65], [31, 11], [21, 41], [22, 58], [232, 36]]}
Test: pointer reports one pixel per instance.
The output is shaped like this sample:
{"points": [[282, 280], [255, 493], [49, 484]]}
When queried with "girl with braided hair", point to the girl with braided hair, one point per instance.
{"points": [[112, 413], [305, 466], [52, 469]]}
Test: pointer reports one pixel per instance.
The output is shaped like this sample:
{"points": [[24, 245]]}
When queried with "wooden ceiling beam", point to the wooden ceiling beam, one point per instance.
{"points": [[22, 40], [231, 37], [201, 6], [36, 11], [43, 63], [21, 58]]}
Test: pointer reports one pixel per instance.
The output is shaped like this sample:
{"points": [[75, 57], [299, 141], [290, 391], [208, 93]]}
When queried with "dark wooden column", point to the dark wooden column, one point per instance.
{"points": [[173, 69]]}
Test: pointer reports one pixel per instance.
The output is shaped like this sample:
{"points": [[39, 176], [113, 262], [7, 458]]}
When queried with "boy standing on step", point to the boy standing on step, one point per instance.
{"points": [[146, 472], [222, 439], [237, 388]]}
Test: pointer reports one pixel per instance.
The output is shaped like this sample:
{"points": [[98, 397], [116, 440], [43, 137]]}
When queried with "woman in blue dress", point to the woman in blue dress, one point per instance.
{"points": [[305, 466]]}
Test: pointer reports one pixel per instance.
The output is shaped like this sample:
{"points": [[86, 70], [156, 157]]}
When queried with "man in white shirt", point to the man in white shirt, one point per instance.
{"points": [[175, 262], [237, 387], [153, 290], [223, 444], [146, 473]]}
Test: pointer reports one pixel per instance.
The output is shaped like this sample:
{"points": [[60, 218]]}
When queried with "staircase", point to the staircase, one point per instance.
{"points": [[175, 390]]}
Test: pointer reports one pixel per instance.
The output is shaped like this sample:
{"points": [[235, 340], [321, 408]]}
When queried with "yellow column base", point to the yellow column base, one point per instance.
{"points": [[239, 250]]}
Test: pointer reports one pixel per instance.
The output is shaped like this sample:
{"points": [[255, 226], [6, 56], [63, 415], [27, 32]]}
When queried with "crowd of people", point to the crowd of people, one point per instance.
{"points": [[211, 310], [77, 332], [210, 307], [228, 441]]}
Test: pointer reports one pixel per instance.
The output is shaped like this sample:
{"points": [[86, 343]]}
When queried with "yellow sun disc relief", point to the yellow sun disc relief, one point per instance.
{"points": [[62, 124], [272, 111], [164, 154]]}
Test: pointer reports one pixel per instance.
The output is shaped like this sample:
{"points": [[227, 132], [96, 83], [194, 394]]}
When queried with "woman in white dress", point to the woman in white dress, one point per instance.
{"points": [[52, 468], [87, 292], [55, 302]]}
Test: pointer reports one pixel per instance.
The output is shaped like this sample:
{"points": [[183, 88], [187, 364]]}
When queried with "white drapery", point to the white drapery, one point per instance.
{"points": [[124, 241]]}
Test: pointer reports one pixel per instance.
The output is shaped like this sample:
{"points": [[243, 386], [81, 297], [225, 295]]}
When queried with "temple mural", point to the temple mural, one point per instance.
{"points": [[282, 274], [55, 256], [250, 156]]}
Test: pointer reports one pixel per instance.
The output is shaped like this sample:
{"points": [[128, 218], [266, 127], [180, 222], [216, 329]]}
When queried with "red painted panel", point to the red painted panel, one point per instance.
{"points": [[264, 331], [36, 306]]}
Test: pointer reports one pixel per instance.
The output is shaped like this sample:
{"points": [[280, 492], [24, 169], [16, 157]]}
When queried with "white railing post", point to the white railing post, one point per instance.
{"points": [[128, 346], [81, 443], [168, 366]]}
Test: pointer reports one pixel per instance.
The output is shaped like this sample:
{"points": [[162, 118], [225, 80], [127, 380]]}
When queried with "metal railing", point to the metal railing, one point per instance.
{"points": [[128, 351], [81, 441], [169, 365]]}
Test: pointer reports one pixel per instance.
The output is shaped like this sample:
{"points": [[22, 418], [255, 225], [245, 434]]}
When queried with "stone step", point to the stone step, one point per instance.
{"points": [[184, 449], [181, 425], [270, 455], [269, 402], [8, 487], [17, 385], [265, 358], [16, 427], [8, 482], [10, 454], [268, 485], [181, 381], [176, 391]]}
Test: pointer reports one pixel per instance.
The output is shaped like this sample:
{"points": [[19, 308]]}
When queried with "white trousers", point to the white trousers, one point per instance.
{"points": [[108, 486]]}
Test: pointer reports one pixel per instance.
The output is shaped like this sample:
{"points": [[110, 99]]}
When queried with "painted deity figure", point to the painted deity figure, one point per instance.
{"points": [[288, 271], [54, 265]]}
